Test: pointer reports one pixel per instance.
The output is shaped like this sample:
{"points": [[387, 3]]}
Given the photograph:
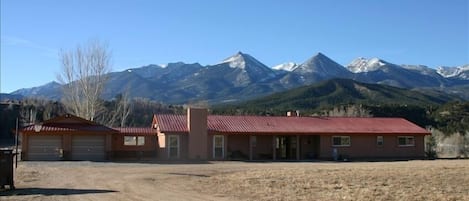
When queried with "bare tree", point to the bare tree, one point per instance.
{"points": [[83, 75], [348, 111], [118, 110], [125, 106]]}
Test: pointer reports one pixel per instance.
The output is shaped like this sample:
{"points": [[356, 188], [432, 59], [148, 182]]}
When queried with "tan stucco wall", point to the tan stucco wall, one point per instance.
{"points": [[197, 125]]}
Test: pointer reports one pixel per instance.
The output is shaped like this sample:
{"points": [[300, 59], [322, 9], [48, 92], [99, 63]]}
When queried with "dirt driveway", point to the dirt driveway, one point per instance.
{"points": [[105, 181], [413, 180]]}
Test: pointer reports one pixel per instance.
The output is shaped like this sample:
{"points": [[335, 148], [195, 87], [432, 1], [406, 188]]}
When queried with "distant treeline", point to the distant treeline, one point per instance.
{"points": [[450, 118]]}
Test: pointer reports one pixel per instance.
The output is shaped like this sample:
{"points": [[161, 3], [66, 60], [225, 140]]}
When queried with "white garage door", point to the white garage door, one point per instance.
{"points": [[42, 147], [88, 147]]}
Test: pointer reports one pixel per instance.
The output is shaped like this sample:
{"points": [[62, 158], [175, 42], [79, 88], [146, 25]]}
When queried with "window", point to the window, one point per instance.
{"points": [[173, 146], [379, 140], [134, 140], [341, 141], [406, 141], [218, 146], [140, 140]]}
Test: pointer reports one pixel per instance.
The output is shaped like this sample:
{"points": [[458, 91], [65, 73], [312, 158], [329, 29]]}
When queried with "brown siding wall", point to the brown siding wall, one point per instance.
{"points": [[364, 146], [149, 149], [238, 147], [264, 148], [184, 146], [24, 146], [67, 146], [309, 147], [118, 143]]}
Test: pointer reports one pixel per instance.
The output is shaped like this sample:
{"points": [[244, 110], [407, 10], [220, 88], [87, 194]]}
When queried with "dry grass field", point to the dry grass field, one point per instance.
{"points": [[407, 180]]}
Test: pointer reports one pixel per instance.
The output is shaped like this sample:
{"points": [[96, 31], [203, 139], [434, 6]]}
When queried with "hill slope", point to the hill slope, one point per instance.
{"points": [[339, 92]]}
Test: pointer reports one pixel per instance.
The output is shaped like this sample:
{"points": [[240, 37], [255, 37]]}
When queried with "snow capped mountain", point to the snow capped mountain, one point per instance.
{"points": [[241, 60], [247, 68], [361, 64], [145, 71], [289, 66], [241, 76], [451, 72], [422, 69], [446, 71], [322, 66]]}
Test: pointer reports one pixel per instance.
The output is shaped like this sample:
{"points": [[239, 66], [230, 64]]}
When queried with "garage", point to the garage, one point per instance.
{"points": [[45, 147], [89, 147], [66, 137]]}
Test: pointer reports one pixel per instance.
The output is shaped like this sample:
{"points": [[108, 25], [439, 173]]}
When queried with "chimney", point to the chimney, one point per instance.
{"points": [[197, 125], [293, 114]]}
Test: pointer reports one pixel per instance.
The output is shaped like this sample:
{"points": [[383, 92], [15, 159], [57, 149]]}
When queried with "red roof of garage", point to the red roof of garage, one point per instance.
{"points": [[68, 123], [69, 128], [294, 125]]}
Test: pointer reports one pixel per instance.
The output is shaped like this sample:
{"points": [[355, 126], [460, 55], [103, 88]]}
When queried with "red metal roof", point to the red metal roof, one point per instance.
{"points": [[68, 123], [172, 123], [294, 125], [128, 130], [69, 128]]}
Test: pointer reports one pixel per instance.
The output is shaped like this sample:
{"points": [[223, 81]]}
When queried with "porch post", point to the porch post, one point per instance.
{"points": [[274, 144], [250, 148], [225, 146], [298, 147]]}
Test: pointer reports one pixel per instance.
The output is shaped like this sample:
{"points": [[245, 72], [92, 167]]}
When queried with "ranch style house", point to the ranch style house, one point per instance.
{"points": [[200, 136]]}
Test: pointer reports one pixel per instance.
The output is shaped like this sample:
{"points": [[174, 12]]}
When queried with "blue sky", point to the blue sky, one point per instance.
{"points": [[139, 32]]}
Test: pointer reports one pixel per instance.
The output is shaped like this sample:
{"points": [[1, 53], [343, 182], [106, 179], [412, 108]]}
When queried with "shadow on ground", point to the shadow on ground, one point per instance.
{"points": [[52, 191], [187, 174]]}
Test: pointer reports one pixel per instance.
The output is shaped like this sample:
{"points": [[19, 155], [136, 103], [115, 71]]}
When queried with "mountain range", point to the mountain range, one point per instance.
{"points": [[242, 77]]}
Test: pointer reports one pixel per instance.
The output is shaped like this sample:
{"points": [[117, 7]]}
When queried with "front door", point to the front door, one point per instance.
{"points": [[286, 147], [173, 146], [218, 147]]}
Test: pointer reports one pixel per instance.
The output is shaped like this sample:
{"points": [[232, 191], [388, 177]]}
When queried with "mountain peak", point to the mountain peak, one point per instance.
{"points": [[362, 64], [289, 66], [236, 61], [319, 57], [449, 72], [320, 54], [322, 66], [240, 60]]}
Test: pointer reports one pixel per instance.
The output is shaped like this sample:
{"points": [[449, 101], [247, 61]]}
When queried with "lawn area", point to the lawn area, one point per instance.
{"points": [[405, 180]]}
